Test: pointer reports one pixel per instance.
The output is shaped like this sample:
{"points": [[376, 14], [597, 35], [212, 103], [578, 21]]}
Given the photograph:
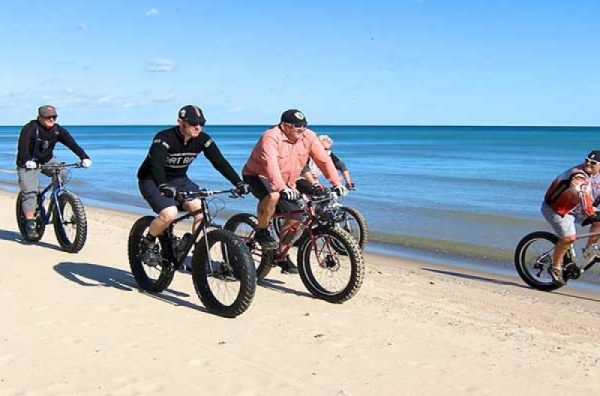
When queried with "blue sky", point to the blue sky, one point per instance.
{"points": [[403, 62]]}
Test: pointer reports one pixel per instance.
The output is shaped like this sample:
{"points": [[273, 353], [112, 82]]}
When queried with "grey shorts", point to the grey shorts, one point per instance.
{"points": [[562, 225], [29, 183]]}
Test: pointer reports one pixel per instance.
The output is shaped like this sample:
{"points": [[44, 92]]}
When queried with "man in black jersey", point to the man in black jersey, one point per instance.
{"points": [[36, 147], [164, 172]]}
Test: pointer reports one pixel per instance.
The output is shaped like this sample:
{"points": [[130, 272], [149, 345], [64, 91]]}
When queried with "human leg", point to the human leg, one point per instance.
{"points": [[29, 183]]}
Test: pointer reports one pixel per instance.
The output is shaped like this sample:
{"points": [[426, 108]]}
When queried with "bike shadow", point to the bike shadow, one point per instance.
{"points": [[95, 275], [475, 277], [575, 296], [16, 237], [276, 285], [506, 283]]}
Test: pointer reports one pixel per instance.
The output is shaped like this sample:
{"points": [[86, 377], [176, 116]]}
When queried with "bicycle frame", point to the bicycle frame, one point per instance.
{"points": [[572, 251], [57, 187], [310, 217], [168, 236]]}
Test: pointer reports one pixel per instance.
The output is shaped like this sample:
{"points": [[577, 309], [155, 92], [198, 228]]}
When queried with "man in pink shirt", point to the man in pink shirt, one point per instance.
{"points": [[273, 168]]}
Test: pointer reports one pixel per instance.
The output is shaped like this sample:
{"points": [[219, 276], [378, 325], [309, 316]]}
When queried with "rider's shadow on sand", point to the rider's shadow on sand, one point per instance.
{"points": [[501, 282], [16, 237], [95, 275], [277, 285]]}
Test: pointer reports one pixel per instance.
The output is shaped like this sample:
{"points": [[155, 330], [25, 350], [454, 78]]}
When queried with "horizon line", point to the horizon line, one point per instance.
{"points": [[350, 125]]}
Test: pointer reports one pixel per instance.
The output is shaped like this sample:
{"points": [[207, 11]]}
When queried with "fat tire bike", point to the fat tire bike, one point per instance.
{"points": [[330, 262], [63, 209], [222, 271]]}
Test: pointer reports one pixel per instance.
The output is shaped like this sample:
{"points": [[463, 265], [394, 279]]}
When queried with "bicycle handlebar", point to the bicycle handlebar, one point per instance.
{"points": [[62, 165], [328, 195], [204, 193]]}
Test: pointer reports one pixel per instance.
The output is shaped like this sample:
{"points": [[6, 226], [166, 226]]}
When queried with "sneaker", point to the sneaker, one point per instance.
{"points": [[149, 252], [557, 275], [264, 238], [590, 253], [287, 267], [31, 229]]}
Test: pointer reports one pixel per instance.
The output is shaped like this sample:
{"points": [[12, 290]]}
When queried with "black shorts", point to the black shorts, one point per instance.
{"points": [[260, 189], [156, 200]]}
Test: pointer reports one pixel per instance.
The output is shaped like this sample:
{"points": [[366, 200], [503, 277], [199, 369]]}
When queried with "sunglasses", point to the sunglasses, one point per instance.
{"points": [[591, 162], [53, 118], [296, 126], [195, 124]]}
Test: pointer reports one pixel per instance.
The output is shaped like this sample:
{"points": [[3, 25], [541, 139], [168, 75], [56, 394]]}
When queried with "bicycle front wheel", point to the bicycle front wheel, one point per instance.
{"points": [[152, 278], [223, 274], [22, 221], [533, 258], [354, 223], [70, 223], [331, 265]]}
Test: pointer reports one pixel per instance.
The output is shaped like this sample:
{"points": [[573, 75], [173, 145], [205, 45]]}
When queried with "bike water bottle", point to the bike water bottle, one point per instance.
{"points": [[183, 244]]}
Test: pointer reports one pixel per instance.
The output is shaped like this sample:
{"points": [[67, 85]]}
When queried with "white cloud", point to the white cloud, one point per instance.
{"points": [[152, 12], [160, 65], [105, 99], [234, 109], [163, 98]]}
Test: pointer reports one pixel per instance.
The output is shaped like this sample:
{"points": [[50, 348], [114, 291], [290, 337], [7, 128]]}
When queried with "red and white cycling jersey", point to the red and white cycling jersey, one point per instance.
{"points": [[571, 189]]}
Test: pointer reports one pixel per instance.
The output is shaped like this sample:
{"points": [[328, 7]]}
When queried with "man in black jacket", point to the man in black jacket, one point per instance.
{"points": [[308, 183], [36, 147], [164, 172]]}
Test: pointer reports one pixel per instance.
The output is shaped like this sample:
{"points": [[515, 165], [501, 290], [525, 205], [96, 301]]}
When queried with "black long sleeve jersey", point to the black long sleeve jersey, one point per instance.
{"points": [[169, 157], [37, 143]]}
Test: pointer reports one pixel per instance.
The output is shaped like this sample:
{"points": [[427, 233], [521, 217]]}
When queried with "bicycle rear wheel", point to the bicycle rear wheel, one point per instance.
{"points": [[533, 258], [223, 274], [243, 225], [148, 277], [331, 265], [71, 232], [22, 221]]}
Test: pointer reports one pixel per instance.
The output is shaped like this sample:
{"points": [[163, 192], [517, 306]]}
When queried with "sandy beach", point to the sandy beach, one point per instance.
{"points": [[75, 324]]}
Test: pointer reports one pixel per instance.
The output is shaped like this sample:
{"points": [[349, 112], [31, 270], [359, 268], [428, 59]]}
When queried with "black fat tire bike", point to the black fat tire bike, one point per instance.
{"points": [[64, 210], [222, 271]]}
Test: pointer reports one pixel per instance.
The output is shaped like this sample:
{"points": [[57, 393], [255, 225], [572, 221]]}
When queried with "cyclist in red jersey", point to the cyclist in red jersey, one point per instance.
{"points": [[568, 194]]}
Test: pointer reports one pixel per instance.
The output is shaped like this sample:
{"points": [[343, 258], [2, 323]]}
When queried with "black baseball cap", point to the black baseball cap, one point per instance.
{"points": [[192, 115], [294, 117], [47, 111], [593, 156]]}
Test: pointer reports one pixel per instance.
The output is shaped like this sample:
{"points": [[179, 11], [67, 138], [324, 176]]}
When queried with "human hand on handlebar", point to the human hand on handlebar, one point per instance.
{"points": [[350, 185], [31, 164], [591, 219], [242, 189], [340, 190], [86, 163], [167, 190], [290, 194]]}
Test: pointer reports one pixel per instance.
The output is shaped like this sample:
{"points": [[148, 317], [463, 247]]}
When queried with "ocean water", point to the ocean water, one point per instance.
{"points": [[471, 191]]}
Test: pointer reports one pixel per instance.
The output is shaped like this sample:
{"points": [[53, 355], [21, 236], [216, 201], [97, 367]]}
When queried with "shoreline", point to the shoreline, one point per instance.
{"points": [[446, 253]]}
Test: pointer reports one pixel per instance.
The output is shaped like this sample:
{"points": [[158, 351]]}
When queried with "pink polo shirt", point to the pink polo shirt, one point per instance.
{"points": [[280, 161]]}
